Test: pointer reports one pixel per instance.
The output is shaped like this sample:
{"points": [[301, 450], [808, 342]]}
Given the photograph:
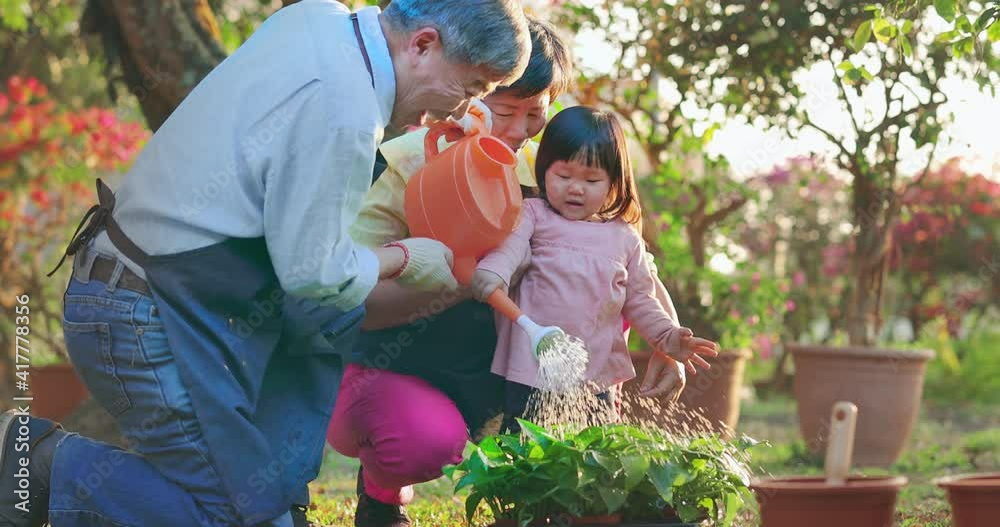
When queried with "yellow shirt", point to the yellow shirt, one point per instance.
{"points": [[382, 218]]}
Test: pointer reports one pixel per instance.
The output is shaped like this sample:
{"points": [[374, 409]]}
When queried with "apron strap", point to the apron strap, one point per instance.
{"points": [[100, 217], [364, 50]]}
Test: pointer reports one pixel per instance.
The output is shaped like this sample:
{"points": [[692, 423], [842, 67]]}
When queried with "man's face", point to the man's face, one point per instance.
{"points": [[437, 88]]}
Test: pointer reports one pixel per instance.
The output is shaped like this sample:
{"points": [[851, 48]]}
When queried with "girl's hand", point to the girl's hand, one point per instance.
{"points": [[664, 378], [484, 283], [689, 349]]}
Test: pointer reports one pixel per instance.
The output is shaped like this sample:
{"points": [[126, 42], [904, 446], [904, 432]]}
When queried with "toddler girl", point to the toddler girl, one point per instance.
{"points": [[588, 271]]}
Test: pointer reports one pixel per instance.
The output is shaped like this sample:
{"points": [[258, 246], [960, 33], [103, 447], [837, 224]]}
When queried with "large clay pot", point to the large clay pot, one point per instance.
{"points": [[974, 498], [57, 391], [886, 386], [712, 396], [810, 502]]}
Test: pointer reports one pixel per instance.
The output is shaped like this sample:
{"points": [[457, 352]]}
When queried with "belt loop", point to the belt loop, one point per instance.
{"points": [[83, 262], [116, 275]]}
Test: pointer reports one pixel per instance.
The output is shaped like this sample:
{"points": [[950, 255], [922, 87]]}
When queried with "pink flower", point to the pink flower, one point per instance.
{"points": [[790, 305], [735, 288], [735, 314], [755, 278], [784, 287], [764, 346], [799, 279], [753, 320]]}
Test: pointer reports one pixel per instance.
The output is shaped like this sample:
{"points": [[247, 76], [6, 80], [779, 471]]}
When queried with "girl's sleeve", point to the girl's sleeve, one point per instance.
{"points": [[644, 308], [505, 259], [663, 295]]}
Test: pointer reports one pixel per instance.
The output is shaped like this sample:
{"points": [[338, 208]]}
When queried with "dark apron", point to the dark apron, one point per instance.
{"points": [[260, 386]]}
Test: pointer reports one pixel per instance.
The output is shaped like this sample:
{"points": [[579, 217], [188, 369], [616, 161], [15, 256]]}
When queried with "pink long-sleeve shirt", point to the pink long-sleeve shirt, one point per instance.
{"points": [[585, 277]]}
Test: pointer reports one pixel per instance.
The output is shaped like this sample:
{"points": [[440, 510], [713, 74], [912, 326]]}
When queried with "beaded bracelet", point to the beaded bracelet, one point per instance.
{"points": [[406, 259]]}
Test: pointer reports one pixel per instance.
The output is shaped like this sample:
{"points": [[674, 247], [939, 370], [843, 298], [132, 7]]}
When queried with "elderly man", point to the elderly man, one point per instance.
{"points": [[227, 248]]}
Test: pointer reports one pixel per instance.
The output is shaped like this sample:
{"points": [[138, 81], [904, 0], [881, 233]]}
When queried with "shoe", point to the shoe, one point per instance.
{"points": [[26, 504], [299, 518], [374, 513]]}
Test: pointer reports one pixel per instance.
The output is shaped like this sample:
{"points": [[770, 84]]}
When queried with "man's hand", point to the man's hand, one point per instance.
{"points": [[664, 378], [484, 283], [428, 265]]}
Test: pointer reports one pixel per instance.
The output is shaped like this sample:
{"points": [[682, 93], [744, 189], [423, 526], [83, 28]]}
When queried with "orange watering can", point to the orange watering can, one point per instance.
{"points": [[468, 198]]}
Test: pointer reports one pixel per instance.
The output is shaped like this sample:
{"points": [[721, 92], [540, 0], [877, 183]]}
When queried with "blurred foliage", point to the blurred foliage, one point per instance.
{"points": [[745, 59], [946, 248], [797, 230], [965, 369], [691, 203], [49, 158]]}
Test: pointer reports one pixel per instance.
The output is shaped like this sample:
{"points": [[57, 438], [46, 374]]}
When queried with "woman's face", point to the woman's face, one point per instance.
{"points": [[516, 120]]}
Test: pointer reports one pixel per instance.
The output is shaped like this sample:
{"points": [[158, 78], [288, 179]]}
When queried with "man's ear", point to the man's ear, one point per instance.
{"points": [[423, 40]]}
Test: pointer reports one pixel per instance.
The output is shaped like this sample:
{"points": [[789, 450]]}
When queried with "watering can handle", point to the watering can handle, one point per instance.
{"points": [[437, 130]]}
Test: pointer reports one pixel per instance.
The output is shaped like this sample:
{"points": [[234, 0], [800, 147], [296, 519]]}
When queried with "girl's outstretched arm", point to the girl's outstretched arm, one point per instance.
{"points": [[650, 318]]}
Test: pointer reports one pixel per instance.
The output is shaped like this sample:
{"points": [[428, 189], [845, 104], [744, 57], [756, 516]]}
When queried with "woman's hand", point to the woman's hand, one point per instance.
{"points": [[684, 347], [664, 378], [484, 283]]}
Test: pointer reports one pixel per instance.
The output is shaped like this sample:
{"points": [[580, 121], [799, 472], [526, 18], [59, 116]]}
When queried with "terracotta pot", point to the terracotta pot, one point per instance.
{"points": [[886, 386], [809, 501], [974, 498], [713, 394], [57, 391]]}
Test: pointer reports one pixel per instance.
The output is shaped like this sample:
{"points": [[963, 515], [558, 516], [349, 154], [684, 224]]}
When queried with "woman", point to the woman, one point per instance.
{"points": [[421, 377]]}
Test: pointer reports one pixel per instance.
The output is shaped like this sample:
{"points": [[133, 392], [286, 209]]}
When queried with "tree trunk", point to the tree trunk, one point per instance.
{"points": [[164, 48]]}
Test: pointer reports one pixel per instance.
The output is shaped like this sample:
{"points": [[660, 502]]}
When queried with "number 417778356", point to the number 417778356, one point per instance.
{"points": [[21, 331]]}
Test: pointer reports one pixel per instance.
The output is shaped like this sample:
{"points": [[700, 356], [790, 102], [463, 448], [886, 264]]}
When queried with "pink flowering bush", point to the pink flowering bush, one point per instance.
{"points": [[721, 293], [49, 158]]}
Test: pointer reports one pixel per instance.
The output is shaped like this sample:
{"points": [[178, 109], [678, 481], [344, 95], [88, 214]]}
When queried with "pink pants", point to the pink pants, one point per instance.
{"points": [[401, 428]]}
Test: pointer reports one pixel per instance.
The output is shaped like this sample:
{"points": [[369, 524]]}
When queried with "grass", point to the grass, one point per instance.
{"points": [[946, 440]]}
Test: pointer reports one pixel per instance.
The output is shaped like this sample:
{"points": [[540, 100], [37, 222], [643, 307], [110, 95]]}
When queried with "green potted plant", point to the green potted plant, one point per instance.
{"points": [[603, 475]]}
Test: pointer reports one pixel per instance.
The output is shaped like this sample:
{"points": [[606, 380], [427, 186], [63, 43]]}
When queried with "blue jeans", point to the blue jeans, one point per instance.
{"points": [[167, 478]]}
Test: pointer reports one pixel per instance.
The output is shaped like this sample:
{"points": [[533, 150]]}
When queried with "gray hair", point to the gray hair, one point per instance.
{"points": [[488, 33]]}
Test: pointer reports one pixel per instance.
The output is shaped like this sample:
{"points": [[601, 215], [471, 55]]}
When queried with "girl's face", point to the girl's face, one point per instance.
{"points": [[577, 191], [516, 120]]}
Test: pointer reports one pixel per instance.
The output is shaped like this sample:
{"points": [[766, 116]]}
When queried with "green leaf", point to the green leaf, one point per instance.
{"points": [[963, 24], [609, 463], [664, 478], [884, 30], [988, 18], [945, 9], [845, 66], [907, 26], [904, 44], [947, 36], [12, 15], [861, 35], [993, 33], [471, 504], [537, 433], [612, 497], [733, 505], [865, 74], [853, 76], [635, 467]]}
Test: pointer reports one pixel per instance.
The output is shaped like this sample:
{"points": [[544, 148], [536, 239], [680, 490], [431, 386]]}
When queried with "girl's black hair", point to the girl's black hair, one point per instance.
{"points": [[593, 138]]}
